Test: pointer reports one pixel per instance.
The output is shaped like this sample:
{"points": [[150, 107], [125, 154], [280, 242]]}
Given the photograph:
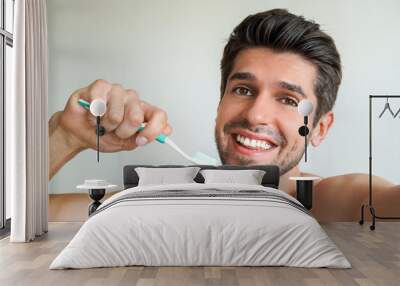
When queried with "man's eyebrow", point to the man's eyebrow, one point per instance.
{"points": [[242, 76], [282, 84], [292, 87]]}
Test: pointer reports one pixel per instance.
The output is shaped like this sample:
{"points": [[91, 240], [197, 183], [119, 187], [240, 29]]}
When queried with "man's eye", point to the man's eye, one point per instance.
{"points": [[289, 101], [242, 91]]}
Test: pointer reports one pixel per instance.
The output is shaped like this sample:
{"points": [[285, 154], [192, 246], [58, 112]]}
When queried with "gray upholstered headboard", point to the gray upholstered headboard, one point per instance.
{"points": [[270, 179]]}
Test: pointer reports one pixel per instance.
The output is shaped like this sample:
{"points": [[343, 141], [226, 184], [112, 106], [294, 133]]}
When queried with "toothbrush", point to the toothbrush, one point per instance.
{"points": [[199, 158]]}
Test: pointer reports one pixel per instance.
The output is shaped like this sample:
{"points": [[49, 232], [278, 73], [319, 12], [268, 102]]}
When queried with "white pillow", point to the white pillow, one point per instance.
{"points": [[248, 177], [162, 176]]}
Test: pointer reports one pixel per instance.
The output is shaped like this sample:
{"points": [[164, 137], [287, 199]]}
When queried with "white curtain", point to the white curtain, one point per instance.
{"points": [[26, 123]]}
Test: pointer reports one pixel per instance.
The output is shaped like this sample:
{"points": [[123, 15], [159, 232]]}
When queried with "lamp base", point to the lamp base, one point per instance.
{"points": [[96, 195], [304, 189]]}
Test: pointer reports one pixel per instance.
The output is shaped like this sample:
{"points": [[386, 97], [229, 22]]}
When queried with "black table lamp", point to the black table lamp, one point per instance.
{"points": [[304, 185], [305, 108], [98, 108]]}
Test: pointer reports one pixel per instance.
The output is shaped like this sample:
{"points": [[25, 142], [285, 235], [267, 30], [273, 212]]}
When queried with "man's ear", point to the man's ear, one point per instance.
{"points": [[321, 129]]}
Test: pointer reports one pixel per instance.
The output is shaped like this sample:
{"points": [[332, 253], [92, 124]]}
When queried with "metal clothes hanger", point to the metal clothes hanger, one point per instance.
{"points": [[387, 107], [398, 111]]}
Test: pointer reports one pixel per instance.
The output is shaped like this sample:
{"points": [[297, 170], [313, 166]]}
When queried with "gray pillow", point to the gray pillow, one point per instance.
{"points": [[248, 177], [162, 176]]}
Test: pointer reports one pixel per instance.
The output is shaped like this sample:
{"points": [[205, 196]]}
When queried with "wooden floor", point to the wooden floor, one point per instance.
{"points": [[70, 207], [375, 257]]}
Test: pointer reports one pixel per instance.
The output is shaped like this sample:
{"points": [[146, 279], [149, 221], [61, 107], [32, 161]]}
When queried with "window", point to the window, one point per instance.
{"points": [[6, 44]]}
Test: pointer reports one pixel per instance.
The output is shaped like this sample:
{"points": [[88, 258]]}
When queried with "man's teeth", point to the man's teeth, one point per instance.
{"points": [[253, 143]]}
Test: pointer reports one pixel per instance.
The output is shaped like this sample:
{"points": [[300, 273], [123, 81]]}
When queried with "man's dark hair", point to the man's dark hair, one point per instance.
{"points": [[282, 31]]}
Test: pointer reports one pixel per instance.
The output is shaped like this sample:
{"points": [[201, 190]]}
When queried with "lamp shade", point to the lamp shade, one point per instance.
{"points": [[305, 107], [98, 107]]}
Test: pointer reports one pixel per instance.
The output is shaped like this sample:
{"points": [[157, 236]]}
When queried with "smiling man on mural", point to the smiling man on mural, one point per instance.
{"points": [[272, 61]]}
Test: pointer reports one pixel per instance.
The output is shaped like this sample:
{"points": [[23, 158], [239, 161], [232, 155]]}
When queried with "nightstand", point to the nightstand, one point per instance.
{"points": [[97, 190], [304, 190]]}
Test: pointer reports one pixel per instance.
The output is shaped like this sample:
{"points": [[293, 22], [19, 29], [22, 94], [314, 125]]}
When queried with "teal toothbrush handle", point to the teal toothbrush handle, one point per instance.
{"points": [[160, 138], [84, 103]]}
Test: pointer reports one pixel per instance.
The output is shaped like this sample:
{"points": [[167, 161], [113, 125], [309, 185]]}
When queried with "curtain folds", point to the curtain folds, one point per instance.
{"points": [[27, 135]]}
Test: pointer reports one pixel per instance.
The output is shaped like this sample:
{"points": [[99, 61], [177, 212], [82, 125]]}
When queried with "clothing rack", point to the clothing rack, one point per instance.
{"points": [[369, 205]]}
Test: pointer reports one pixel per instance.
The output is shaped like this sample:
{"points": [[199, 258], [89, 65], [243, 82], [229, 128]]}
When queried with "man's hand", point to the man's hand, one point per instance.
{"points": [[73, 129]]}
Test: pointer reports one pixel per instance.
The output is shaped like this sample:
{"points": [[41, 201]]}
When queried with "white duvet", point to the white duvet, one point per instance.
{"points": [[207, 230]]}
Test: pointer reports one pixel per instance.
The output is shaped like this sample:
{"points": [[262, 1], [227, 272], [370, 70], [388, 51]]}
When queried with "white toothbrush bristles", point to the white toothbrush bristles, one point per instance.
{"points": [[203, 159], [176, 148], [198, 159]]}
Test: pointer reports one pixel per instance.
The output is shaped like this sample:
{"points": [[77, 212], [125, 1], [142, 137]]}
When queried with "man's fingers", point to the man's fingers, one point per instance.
{"points": [[115, 108], [130, 143], [124, 115], [167, 130], [133, 117], [98, 89], [156, 122]]}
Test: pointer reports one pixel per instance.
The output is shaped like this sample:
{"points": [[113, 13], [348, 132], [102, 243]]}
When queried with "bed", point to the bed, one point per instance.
{"points": [[201, 224]]}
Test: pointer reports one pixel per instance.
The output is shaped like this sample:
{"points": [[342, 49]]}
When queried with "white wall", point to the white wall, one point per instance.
{"points": [[170, 51]]}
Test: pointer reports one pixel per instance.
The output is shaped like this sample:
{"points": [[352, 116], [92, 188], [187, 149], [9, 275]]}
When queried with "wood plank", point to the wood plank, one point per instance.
{"points": [[375, 257]]}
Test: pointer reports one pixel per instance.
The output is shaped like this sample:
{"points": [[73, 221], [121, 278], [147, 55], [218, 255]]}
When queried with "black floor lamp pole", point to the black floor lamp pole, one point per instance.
{"points": [[369, 205]]}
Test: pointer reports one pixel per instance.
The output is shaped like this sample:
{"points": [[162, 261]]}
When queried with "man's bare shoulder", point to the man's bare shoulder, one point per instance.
{"points": [[339, 198], [351, 180]]}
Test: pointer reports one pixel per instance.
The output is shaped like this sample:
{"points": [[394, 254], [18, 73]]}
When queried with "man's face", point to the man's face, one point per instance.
{"points": [[257, 121]]}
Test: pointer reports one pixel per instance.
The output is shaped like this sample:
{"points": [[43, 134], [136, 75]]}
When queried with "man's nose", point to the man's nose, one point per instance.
{"points": [[262, 110]]}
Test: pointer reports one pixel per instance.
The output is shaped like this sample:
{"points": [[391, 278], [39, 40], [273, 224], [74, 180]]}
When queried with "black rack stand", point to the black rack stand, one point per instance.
{"points": [[369, 205]]}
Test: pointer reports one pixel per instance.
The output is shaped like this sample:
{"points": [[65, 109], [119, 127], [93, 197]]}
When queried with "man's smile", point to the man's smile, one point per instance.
{"points": [[250, 144]]}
